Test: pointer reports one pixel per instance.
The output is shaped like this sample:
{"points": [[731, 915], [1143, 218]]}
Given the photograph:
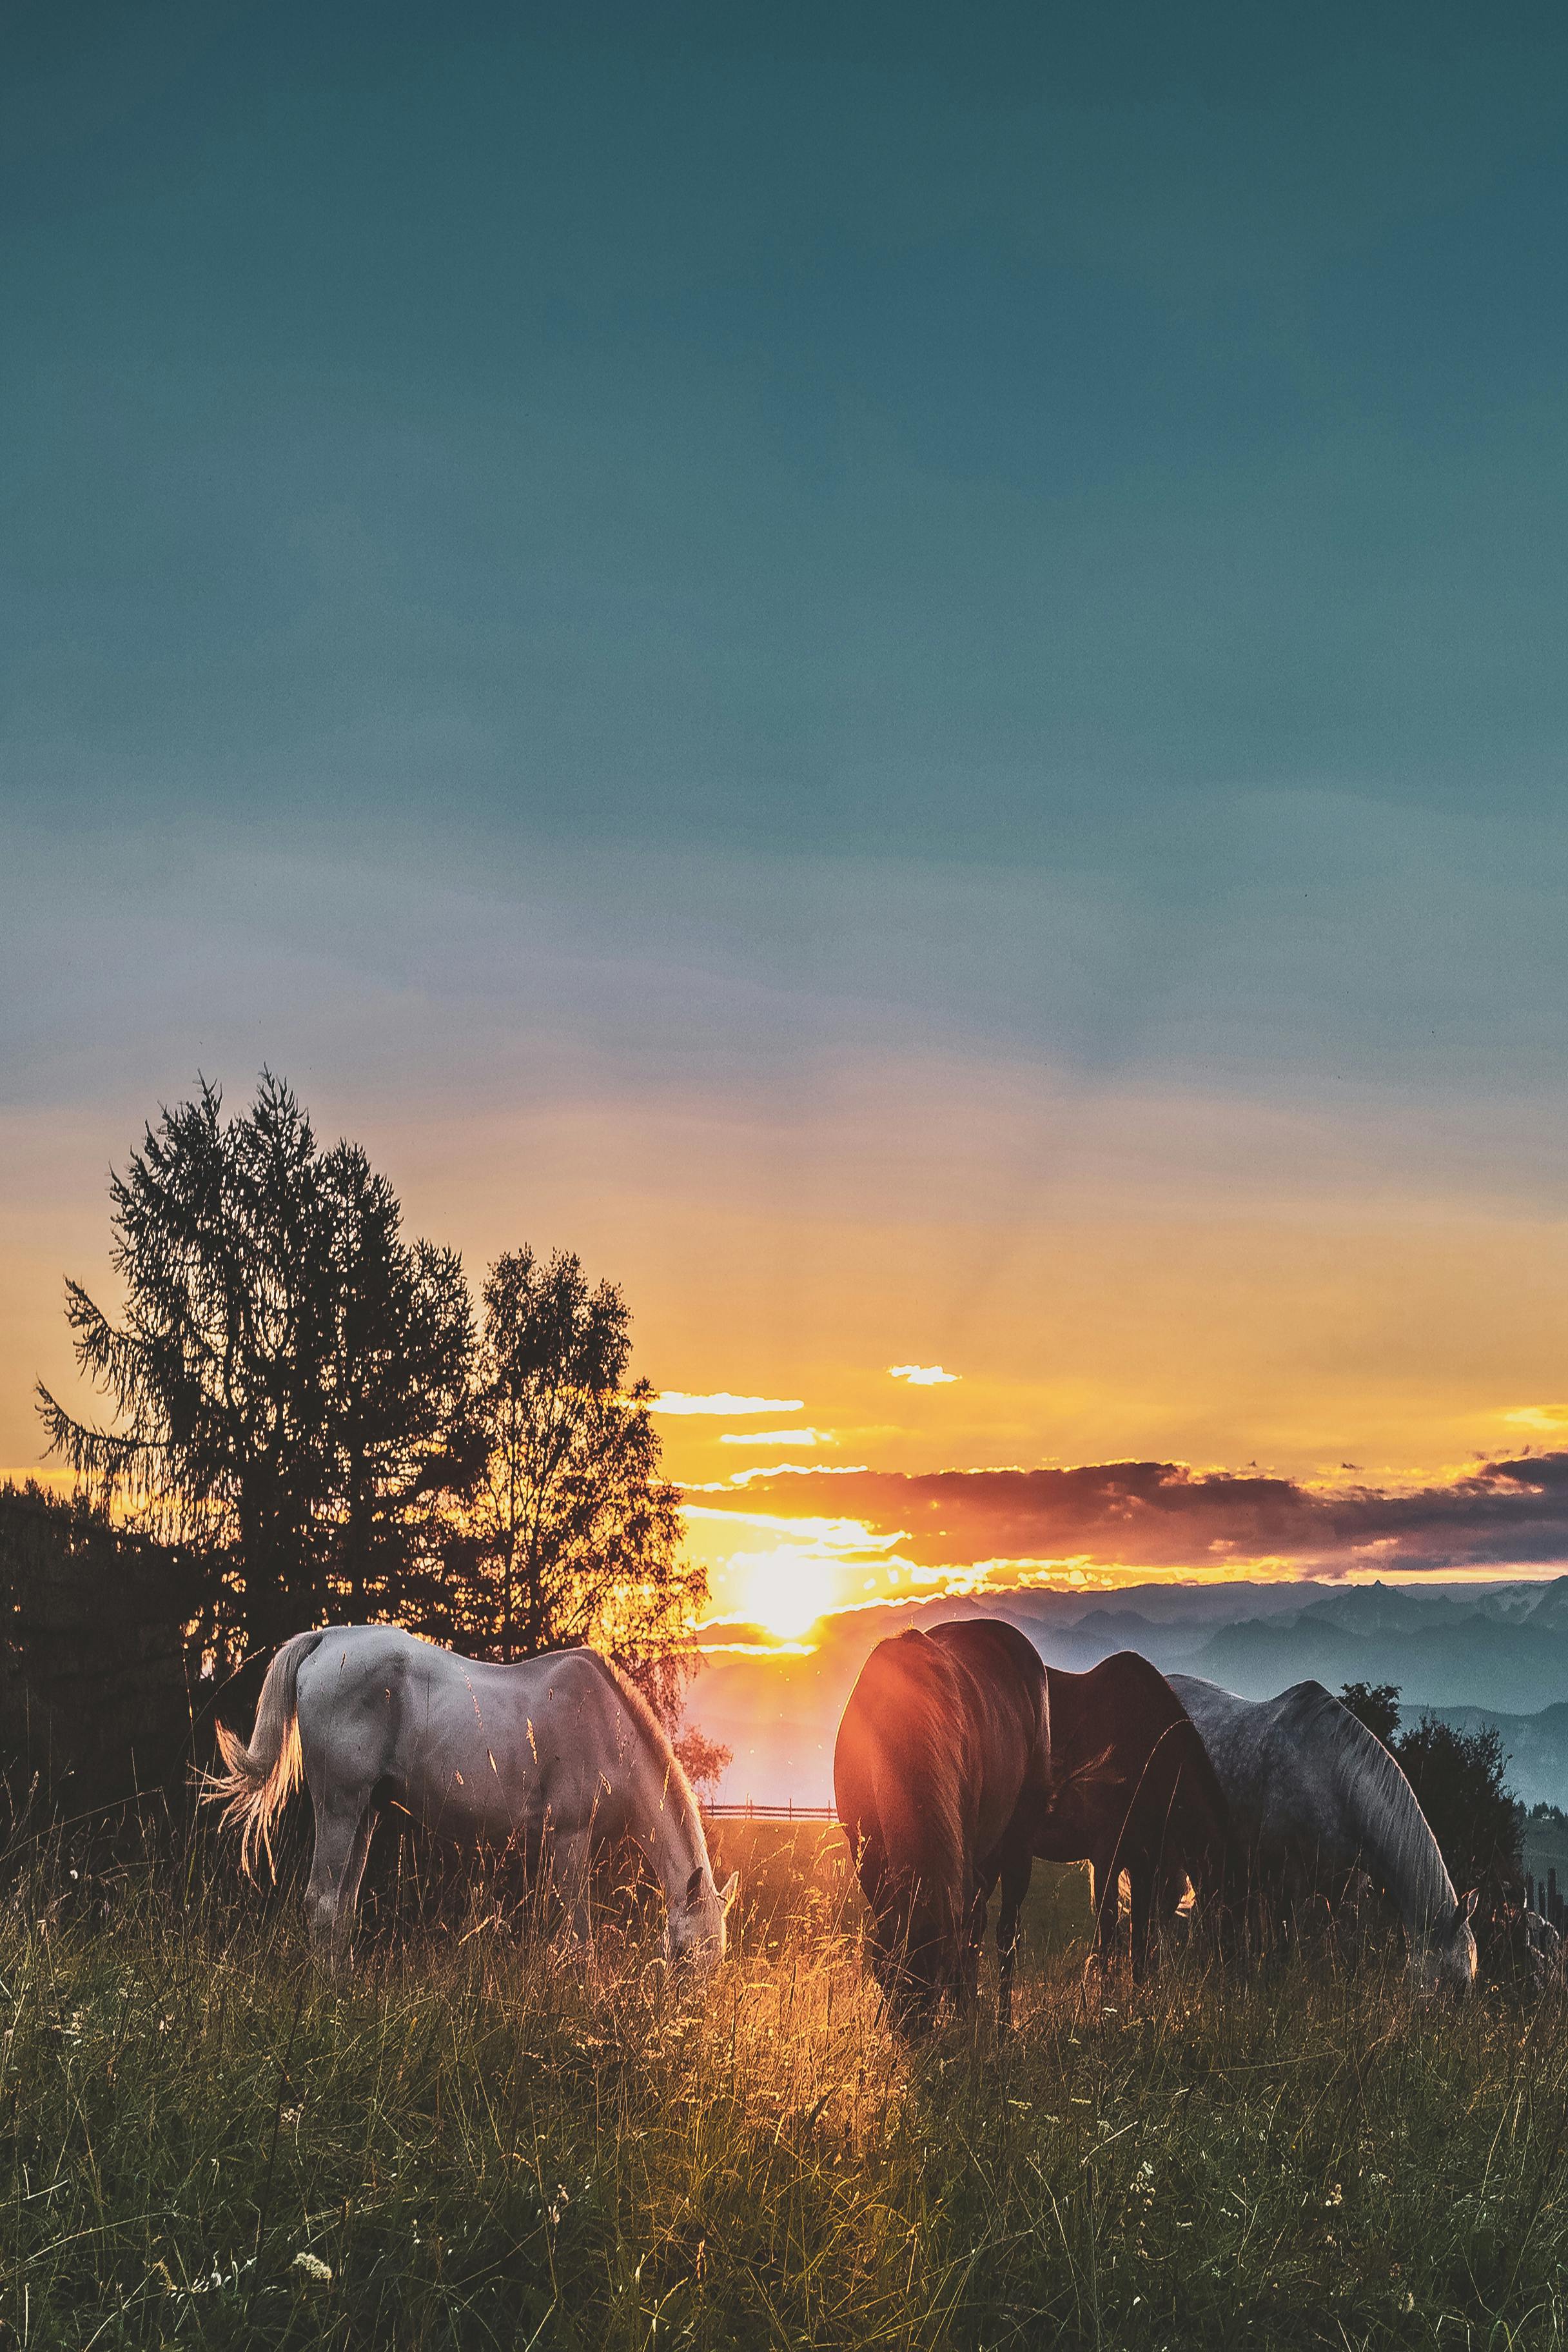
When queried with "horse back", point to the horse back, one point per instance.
{"points": [[1006, 1694], [943, 1734]]}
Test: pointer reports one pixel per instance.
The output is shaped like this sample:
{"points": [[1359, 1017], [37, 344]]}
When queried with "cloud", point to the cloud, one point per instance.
{"points": [[778, 1437], [676, 1401], [922, 1376], [1162, 1514], [1552, 1418]]}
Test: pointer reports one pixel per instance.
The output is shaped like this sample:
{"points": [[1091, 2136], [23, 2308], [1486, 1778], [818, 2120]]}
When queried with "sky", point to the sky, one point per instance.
{"points": [[898, 670]]}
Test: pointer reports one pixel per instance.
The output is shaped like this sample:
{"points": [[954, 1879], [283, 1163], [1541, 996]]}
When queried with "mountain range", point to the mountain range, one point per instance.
{"points": [[1497, 1654]]}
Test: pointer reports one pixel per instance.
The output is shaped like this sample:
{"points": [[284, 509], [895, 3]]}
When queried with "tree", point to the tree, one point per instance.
{"points": [[290, 1374], [398, 1329], [1457, 1777], [573, 1534]]}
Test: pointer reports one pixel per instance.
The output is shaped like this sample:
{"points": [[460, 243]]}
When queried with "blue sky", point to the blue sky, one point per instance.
{"points": [[940, 626]]}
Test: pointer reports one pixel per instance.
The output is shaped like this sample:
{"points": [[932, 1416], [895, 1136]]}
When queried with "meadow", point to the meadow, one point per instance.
{"points": [[470, 2140]]}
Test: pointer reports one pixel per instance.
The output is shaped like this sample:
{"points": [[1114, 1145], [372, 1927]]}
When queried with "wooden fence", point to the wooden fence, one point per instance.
{"points": [[750, 1810]]}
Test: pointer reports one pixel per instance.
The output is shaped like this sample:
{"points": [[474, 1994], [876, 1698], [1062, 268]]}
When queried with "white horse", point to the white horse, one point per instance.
{"points": [[1312, 1792], [556, 1755]]}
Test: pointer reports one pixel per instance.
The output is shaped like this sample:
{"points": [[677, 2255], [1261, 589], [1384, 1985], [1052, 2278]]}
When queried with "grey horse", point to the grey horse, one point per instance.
{"points": [[557, 1755], [1314, 1796]]}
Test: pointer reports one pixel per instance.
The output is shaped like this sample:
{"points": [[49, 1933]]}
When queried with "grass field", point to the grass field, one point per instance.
{"points": [[469, 2141]]}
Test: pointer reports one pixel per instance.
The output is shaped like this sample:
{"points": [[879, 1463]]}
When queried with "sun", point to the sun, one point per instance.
{"points": [[787, 1591]]}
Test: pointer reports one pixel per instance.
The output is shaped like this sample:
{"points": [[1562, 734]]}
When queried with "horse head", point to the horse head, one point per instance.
{"points": [[1444, 1959], [694, 1929]]}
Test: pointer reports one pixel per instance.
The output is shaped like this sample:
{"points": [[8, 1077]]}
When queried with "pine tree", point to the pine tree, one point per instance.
{"points": [[290, 1374]]}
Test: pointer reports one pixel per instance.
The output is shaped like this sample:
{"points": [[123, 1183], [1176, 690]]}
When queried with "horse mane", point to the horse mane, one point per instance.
{"points": [[1381, 1804], [918, 1799], [659, 1739]]}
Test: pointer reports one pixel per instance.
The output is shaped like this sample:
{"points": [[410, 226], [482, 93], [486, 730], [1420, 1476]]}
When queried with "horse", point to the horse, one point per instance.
{"points": [[943, 1748], [1132, 1788], [1314, 1797], [558, 1755]]}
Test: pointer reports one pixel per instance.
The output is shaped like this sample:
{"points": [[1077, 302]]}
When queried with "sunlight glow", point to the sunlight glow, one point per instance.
{"points": [[786, 1590]]}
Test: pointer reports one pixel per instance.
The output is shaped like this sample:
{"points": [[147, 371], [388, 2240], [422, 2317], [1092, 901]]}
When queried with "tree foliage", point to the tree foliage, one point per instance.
{"points": [[1457, 1777], [571, 1533]]}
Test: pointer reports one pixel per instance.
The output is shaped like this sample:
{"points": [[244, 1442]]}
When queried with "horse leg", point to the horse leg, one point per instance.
{"points": [[1141, 1876], [343, 1827], [1106, 1870], [980, 1893], [571, 1861], [1015, 1874]]}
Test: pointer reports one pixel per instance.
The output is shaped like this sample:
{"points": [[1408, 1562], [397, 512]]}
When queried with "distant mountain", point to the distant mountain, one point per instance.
{"points": [[1498, 1654], [1552, 1609], [1475, 1661], [1537, 1745], [1370, 1609]]}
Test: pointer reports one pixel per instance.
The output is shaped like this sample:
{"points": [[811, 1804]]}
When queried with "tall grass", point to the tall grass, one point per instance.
{"points": [[472, 2141]]}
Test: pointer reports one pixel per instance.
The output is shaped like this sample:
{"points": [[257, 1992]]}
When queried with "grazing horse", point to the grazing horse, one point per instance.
{"points": [[1315, 1797], [1131, 1790], [556, 1755], [944, 1747]]}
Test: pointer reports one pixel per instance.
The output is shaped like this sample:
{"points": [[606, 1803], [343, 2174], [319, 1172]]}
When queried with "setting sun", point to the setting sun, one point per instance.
{"points": [[787, 1589]]}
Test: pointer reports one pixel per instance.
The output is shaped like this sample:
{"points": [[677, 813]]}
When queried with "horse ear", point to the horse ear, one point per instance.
{"points": [[730, 1889], [1464, 1908]]}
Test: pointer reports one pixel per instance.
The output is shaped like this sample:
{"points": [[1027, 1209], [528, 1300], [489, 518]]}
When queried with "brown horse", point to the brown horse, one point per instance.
{"points": [[1132, 1789], [943, 1760]]}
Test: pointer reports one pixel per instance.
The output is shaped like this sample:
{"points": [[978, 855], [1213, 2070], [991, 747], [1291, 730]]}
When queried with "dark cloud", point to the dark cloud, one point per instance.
{"points": [[1162, 1515]]}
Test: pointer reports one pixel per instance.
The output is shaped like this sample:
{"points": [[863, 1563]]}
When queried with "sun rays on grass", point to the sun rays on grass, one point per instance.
{"points": [[472, 2141]]}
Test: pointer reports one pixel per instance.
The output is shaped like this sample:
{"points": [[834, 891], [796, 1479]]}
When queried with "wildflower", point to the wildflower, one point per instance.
{"points": [[1336, 2195], [561, 2199], [312, 2267]]}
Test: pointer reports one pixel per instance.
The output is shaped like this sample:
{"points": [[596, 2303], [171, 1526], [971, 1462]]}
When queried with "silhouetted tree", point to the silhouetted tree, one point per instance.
{"points": [[400, 1343], [290, 1374], [1457, 1777], [573, 1534]]}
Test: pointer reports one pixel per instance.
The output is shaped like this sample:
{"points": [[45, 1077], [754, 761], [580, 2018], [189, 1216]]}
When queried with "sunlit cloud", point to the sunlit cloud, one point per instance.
{"points": [[839, 1535], [778, 1437], [922, 1376], [772, 1470], [1549, 1417], [1119, 1518], [676, 1401]]}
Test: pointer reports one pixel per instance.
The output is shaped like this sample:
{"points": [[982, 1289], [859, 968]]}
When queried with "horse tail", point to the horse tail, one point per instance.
{"points": [[259, 1779]]}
